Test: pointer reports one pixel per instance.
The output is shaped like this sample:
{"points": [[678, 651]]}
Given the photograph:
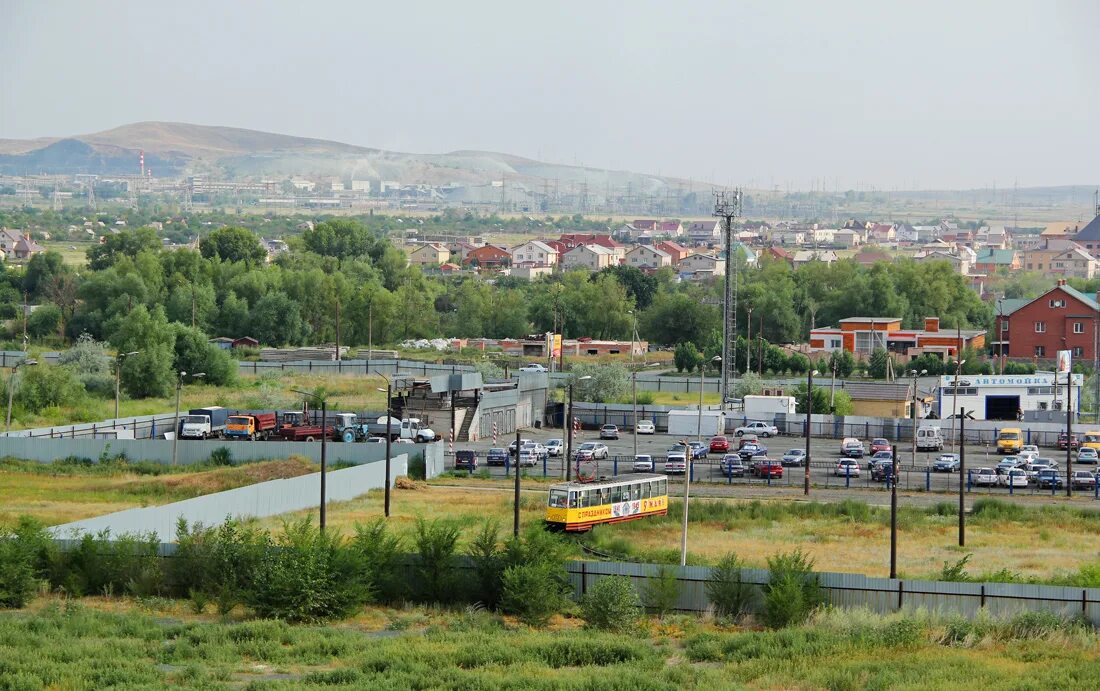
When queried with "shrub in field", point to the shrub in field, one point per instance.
{"points": [[488, 560], [725, 590], [661, 591], [436, 544], [24, 552], [955, 572], [104, 565], [375, 552], [221, 456], [612, 605], [307, 576], [218, 562], [792, 592], [533, 592]]}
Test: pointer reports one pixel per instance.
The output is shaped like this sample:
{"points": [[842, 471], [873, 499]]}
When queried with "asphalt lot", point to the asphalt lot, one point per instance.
{"points": [[824, 453]]}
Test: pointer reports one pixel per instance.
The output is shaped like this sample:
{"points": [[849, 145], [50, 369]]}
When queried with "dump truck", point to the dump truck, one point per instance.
{"points": [[400, 429], [203, 423], [250, 426], [298, 426]]}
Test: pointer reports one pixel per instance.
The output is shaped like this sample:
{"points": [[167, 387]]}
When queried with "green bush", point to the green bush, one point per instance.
{"points": [[612, 605], [376, 554], [102, 564], [661, 591], [725, 590], [436, 544], [955, 572], [488, 560], [221, 456], [792, 592], [23, 550], [532, 592], [307, 576], [219, 562], [646, 397]]}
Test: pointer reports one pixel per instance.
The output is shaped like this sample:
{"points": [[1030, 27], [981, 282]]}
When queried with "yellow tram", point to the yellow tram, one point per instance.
{"points": [[577, 506]]}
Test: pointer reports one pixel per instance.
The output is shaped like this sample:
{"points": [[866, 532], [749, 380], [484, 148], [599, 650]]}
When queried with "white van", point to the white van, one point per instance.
{"points": [[929, 439]]}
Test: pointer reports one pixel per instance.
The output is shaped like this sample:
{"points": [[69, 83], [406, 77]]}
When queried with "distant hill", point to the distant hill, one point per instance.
{"points": [[173, 149]]}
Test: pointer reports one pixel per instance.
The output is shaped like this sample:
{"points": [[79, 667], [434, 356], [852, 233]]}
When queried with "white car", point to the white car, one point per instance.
{"points": [[847, 467], [984, 477], [675, 463], [643, 463], [538, 449], [527, 457], [646, 427], [591, 451], [1087, 454], [1029, 448], [555, 447], [1014, 478], [762, 429], [533, 367]]}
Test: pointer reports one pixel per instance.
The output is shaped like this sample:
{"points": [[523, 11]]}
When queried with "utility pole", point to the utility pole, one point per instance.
{"points": [[687, 493], [337, 329], [727, 205], [809, 426], [1069, 430], [962, 477], [515, 503]]}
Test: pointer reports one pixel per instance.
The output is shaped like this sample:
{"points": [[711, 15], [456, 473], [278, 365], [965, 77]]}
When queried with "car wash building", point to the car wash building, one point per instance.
{"points": [[1006, 396]]}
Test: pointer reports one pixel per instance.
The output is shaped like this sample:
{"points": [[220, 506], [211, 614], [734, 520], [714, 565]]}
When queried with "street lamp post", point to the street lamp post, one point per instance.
{"points": [[11, 386], [809, 427], [894, 481], [634, 380], [688, 458], [389, 422], [702, 381], [324, 440], [568, 431], [1000, 333], [515, 501], [176, 428], [118, 372], [955, 399]]}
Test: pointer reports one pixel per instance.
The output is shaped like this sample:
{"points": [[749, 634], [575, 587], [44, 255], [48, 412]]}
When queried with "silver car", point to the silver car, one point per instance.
{"points": [[554, 447], [643, 463]]}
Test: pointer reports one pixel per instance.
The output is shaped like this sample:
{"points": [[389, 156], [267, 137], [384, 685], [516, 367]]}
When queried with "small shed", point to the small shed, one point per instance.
{"points": [[246, 342]]}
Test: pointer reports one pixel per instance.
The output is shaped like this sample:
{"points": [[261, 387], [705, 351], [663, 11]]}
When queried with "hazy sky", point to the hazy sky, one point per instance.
{"points": [[933, 94]]}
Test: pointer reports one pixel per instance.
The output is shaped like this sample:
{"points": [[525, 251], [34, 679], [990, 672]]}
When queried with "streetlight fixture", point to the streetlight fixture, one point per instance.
{"points": [[568, 432], [634, 380], [809, 426], [118, 371], [324, 439], [688, 460], [11, 386], [176, 428], [894, 480], [955, 399], [702, 371]]}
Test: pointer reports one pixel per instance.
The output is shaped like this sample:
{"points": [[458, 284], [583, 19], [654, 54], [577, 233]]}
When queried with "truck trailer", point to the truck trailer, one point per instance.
{"points": [[203, 423], [250, 426]]}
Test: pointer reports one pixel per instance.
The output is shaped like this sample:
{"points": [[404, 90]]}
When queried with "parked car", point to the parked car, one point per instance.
{"points": [[527, 457], [646, 427], [880, 444], [1049, 478], [609, 432], [1014, 478], [846, 467], [1071, 441], [732, 464], [748, 439], [533, 367], [719, 444], [643, 463], [1029, 448], [752, 450], [497, 456], [881, 472], [946, 463], [540, 451], [765, 468], [761, 428], [675, 462], [466, 459], [1083, 479], [794, 457], [1088, 455], [984, 477], [877, 464], [1010, 440], [591, 451], [1010, 463], [555, 447], [880, 456], [1036, 465], [851, 447], [698, 449], [512, 446]]}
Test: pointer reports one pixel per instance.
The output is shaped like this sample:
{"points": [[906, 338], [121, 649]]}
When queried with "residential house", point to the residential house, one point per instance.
{"points": [[534, 253], [245, 342], [1039, 259], [557, 245], [16, 245], [994, 237], [907, 234], [806, 256], [780, 254], [880, 399], [672, 228], [882, 233], [429, 254], [702, 266], [488, 257], [989, 260], [746, 254], [704, 232], [645, 225], [674, 250], [1089, 236], [847, 237], [928, 233], [646, 257], [572, 240], [530, 273], [591, 257], [449, 269], [459, 249], [959, 262], [820, 236], [1074, 263], [869, 257], [863, 335], [789, 236], [1063, 318], [1061, 229], [856, 224]]}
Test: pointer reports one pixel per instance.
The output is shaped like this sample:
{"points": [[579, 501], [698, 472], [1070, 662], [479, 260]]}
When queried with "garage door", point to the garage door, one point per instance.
{"points": [[1001, 407]]}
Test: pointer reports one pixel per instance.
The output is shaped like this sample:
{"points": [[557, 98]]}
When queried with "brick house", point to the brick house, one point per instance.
{"points": [[645, 257], [1089, 236], [674, 250], [704, 232], [1074, 263], [1063, 318], [429, 254], [863, 335], [591, 257], [534, 253], [489, 257], [989, 260]]}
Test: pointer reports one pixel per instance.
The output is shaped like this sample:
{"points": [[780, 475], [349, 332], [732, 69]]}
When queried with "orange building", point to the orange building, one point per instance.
{"points": [[861, 336]]}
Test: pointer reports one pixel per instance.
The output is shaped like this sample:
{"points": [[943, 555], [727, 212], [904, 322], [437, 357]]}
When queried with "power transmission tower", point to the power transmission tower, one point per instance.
{"points": [[56, 198], [91, 194], [728, 207]]}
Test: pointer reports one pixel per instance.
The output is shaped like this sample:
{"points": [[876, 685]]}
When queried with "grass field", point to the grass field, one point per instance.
{"points": [[60, 493], [120, 643], [1042, 543]]}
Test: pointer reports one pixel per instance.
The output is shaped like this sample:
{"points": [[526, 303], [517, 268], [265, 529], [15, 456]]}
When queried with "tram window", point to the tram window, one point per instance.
{"points": [[616, 495], [574, 499], [647, 490], [636, 491], [664, 487], [558, 498]]}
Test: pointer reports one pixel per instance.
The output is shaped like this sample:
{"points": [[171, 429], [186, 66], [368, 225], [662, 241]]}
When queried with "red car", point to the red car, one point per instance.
{"points": [[880, 445], [766, 468], [1073, 442], [719, 445]]}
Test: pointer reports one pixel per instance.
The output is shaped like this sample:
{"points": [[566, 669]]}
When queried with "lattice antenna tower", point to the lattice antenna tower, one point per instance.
{"points": [[727, 205]]}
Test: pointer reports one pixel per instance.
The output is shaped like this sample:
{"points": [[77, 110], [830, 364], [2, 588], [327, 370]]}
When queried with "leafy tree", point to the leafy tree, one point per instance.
{"points": [[44, 386], [232, 317], [276, 320], [149, 373], [843, 361], [44, 321], [195, 353], [879, 364], [608, 382], [640, 286], [88, 359], [232, 244], [748, 385], [339, 238], [128, 243], [677, 317], [41, 271], [687, 357]]}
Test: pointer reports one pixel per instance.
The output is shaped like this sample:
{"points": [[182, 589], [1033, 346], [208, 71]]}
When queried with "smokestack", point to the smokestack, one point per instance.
{"points": [[141, 160]]}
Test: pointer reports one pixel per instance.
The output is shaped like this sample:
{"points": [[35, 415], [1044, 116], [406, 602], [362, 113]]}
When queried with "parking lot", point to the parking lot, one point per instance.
{"points": [[824, 453]]}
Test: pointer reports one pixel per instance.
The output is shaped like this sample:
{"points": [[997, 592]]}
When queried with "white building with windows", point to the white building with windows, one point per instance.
{"points": [[1005, 396]]}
